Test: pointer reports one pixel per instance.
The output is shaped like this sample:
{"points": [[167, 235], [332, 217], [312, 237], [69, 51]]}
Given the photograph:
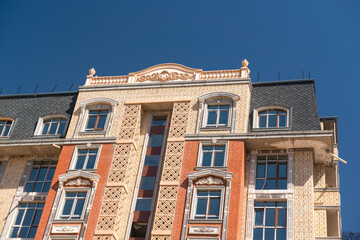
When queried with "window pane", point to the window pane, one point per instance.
{"points": [[143, 204], [14, 232], [29, 187], [282, 184], [259, 184], [155, 140], [223, 117], [152, 160], [101, 122], [281, 204], [37, 217], [260, 171], [28, 217], [53, 128], [33, 174], [211, 118], [61, 128], [46, 187], [262, 121], [203, 193], [79, 207], [201, 206], [91, 162], [50, 174], [215, 193], [91, 122], [147, 183], [281, 234], [80, 162], [219, 159], [67, 206], [258, 234], [23, 232], [270, 217], [272, 121], [282, 121], [45, 129], [81, 194], [38, 187], [220, 147], [158, 123], [42, 174], [206, 162], [259, 216], [213, 107], [214, 207], [271, 170], [19, 217], [269, 234], [32, 232], [281, 217], [7, 129], [282, 170], [270, 184]]}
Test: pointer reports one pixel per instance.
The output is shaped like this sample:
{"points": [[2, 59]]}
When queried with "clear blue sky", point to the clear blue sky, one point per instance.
{"points": [[57, 42]]}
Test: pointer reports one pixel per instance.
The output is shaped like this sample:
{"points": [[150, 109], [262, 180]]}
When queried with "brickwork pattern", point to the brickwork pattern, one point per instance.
{"points": [[170, 177], [117, 199], [9, 184], [303, 196], [327, 198], [319, 175], [245, 197], [320, 223]]}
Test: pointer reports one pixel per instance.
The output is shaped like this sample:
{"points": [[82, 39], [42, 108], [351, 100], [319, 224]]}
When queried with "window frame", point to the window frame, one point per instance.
{"points": [[62, 203], [34, 165], [195, 201], [76, 154], [217, 102], [263, 226], [201, 155], [7, 118], [256, 117], [265, 178], [24, 215], [40, 125]]}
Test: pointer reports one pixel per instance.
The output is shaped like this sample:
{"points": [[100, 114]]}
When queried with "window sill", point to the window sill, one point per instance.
{"points": [[215, 128], [329, 189], [49, 136], [68, 220], [268, 129], [85, 170], [205, 220], [4, 138], [273, 191], [92, 133], [203, 168]]}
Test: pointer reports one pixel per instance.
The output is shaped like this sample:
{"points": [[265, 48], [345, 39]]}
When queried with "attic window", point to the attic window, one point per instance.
{"points": [[5, 127], [272, 117]]}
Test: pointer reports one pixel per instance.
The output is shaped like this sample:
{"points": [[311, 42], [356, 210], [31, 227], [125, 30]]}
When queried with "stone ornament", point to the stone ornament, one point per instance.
{"points": [[245, 63], [65, 229], [164, 76], [78, 182], [92, 72], [204, 229], [209, 181]]}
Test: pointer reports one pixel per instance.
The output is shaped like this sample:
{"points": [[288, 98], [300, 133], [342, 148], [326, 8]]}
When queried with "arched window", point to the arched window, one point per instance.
{"points": [[5, 126], [271, 117], [51, 125]]}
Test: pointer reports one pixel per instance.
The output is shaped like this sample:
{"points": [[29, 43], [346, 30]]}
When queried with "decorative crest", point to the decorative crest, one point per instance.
{"points": [[78, 182], [210, 181], [164, 76]]}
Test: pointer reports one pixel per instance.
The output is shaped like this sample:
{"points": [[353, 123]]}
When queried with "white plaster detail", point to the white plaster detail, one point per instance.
{"points": [[204, 229], [65, 229], [78, 182], [209, 181]]}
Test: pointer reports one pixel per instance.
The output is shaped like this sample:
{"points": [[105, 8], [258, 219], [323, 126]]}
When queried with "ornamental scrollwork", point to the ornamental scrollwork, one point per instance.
{"points": [[209, 181], [78, 182], [164, 76]]}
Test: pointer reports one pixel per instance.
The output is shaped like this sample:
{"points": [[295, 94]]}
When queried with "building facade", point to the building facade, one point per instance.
{"points": [[171, 152]]}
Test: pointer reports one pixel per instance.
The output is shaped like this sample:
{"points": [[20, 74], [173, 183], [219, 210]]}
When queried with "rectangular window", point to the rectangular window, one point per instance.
{"points": [[217, 115], [86, 159], [73, 205], [96, 120], [271, 172], [207, 204], [41, 176], [143, 204], [270, 221], [213, 156], [27, 220], [147, 183]]}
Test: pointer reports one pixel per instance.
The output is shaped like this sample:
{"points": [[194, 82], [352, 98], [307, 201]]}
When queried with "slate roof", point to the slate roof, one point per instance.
{"points": [[26, 109], [299, 95]]}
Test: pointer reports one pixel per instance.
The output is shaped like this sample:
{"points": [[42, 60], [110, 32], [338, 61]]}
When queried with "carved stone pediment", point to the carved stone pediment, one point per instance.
{"points": [[210, 181], [78, 182]]}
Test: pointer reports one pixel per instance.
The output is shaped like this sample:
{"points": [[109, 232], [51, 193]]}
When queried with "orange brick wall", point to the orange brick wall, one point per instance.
{"points": [[103, 168], [236, 165]]}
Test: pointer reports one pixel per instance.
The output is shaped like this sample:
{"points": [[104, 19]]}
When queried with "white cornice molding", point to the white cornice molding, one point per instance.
{"points": [[74, 175], [210, 172]]}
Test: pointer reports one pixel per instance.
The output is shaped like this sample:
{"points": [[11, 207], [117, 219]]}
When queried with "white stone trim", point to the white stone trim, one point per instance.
{"points": [[91, 104]]}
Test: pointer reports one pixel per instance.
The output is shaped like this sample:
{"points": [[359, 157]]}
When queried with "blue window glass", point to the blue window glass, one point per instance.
{"points": [[152, 160], [156, 140], [217, 115], [5, 126], [86, 158], [96, 120], [147, 183], [41, 176], [73, 206], [27, 220], [208, 204], [213, 156], [143, 204]]}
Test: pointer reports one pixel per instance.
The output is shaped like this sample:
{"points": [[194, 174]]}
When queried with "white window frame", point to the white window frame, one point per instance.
{"points": [[216, 102], [101, 103], [256, 118], [40, 124], [200, 153], [8, 118], [62, 202], [85, 147], [194, 201]]}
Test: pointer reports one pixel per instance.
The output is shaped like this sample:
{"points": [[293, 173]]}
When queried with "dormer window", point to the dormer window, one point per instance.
{"points": [[52, 125], [5, 127], [271, 117]]}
